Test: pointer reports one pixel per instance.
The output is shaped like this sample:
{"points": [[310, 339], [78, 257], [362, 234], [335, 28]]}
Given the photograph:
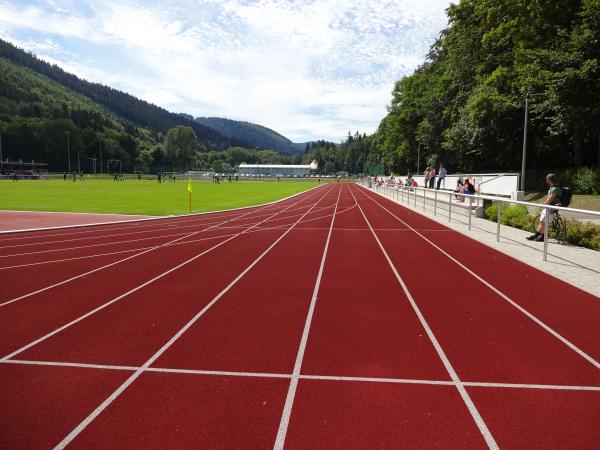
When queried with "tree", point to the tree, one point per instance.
{"points": [[181, 144]]}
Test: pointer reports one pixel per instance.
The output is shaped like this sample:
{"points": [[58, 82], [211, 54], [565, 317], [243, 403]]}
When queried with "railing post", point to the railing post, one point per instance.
{"points": [[499, 219], [450, 208], [434, 203], [546, 226], [470, 211]]}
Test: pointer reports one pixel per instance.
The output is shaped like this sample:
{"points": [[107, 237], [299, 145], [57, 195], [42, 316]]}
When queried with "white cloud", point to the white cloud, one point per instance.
{"points": [[311, 69]]}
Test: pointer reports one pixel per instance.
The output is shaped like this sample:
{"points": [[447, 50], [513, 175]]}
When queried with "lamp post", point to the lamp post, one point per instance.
{"points": [[524, 157], [419, 158], [68, 149], [1, 160]]}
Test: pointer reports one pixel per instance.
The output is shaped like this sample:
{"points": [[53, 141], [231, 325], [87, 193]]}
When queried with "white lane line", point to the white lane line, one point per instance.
{"points": [[89, 272], [67, 228], [68, 280], [97, 235], [485, 432], [539, 322], [377, 380], [73, 434], [483, 384], [291, 394], [218, 227], [131, 291], [103, 244]]}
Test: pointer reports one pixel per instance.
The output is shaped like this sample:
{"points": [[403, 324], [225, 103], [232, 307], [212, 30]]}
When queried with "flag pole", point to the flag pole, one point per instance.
{"points": [[190, 192]]}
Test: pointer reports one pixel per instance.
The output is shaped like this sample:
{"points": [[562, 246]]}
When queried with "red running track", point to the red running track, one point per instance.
{"points": [[332, 319]]}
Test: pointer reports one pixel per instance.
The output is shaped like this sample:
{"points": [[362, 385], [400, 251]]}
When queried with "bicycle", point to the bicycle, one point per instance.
{"points": [[557, 229]]}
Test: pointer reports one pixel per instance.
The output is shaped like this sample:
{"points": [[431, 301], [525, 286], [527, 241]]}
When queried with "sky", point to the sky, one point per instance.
{"points": [[310, 69]]}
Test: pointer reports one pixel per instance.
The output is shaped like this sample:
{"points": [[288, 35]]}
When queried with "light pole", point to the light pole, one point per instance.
{"points": [[524, 157], [78, 163], [1, 160], [100, 145], [419, 158], [68, 149]]}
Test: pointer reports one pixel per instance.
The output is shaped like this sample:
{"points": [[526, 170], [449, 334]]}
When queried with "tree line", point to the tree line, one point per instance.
{"points": [[465, 104]]}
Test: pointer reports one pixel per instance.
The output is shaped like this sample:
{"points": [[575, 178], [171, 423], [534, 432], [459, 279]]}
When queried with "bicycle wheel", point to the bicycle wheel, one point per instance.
{"points": [[560, 230], [535, 223]]}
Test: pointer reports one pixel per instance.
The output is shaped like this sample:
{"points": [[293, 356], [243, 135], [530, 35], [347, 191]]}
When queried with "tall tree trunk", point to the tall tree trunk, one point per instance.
{"points": [[598, 155]]}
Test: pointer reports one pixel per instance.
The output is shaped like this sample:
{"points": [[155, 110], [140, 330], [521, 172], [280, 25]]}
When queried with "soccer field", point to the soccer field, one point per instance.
{"points": [[140, 196]]}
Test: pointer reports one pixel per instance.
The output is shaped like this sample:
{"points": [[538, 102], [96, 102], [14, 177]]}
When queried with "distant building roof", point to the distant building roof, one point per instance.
{"points": [[312, 166]]}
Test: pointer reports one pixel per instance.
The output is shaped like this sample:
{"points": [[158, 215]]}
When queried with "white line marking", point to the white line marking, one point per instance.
{"points": [[73, 434], [198, 214], [485, 432], [103, 244], [217, 227], [291, 394], [550, 330], [552, 387], [131, 291], [142, 253]]}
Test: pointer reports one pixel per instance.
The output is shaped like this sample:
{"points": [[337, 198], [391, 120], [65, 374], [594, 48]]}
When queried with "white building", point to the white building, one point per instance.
{"points": [[283, 170]]}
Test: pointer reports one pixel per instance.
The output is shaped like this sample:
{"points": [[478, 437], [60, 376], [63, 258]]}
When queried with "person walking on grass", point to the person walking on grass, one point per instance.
{"points": [[442, 172], [554, 198]]}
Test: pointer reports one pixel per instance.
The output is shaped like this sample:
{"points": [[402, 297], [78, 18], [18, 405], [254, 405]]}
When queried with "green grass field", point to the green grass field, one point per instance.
{"points": [[140, 196]]}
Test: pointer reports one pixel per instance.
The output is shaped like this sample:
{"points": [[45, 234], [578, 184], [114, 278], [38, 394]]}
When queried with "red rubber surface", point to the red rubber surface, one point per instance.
{"points": [[227, 334]]}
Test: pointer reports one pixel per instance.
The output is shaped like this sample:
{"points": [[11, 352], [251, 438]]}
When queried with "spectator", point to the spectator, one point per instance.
{"points": [[431, 177], [442, 172], [554, 197], [468, 189], [427, 174], [459, 188]]}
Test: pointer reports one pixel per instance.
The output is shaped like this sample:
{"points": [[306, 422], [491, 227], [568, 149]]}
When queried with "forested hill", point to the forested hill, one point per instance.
{"points": [[250, 132], [126, 106]]}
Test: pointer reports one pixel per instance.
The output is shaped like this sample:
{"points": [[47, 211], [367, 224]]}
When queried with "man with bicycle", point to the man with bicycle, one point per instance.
{"points": [[554, 198]]}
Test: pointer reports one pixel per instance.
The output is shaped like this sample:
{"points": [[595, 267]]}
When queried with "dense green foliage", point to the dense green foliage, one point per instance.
{"points": [[354, 155], [260, 136], [145, 197], [466, 103]]}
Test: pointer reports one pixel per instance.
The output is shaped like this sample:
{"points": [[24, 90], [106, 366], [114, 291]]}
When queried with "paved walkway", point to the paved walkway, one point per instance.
{"points": [[577, 266], [26, 220]]}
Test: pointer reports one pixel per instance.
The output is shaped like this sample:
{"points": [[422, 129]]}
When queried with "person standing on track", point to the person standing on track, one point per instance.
{"points": [[554, 197]]}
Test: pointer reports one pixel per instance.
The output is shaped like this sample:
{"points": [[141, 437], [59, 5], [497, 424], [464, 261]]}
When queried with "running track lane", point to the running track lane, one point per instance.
{"points": [[329, 411], [34, 316], [131, 330], [170, 302], [92, 429], [363, 326], [489, 339]]}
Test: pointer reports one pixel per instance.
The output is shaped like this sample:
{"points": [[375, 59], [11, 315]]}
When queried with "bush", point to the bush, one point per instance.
{"points": [[583, 234], [515, 216], [586, 181]]}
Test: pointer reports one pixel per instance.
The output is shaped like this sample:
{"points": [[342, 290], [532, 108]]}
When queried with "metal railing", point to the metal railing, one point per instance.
{"points": [[403, 192]]}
